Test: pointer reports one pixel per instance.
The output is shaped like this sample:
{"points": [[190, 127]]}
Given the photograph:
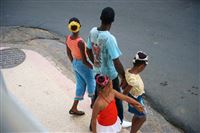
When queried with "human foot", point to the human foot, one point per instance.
{"points": [[78, 113]]}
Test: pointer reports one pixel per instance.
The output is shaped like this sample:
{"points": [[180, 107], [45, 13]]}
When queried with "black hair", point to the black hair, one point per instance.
{"points": [[96, 76], [140, 62], [74, 27], [99, 87], [107, 15], [100, 79], [74, 19]]}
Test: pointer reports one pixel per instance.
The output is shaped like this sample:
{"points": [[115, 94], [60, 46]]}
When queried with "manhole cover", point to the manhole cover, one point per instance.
{"points": [[11, 57]]}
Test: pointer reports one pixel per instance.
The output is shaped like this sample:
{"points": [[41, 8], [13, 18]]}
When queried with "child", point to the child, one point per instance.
{"points": [[105, 115], [76, 51], [135, 89]]}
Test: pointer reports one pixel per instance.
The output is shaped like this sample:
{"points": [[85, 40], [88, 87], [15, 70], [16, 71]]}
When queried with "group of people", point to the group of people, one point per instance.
{"points": [[97, 66]]}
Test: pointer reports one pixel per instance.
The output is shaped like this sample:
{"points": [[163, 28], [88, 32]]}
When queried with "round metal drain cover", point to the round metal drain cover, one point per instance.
{"points": [[11, 57]]}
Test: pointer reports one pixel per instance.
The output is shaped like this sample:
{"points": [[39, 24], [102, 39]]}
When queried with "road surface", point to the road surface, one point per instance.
{"points": [[168, 30]]}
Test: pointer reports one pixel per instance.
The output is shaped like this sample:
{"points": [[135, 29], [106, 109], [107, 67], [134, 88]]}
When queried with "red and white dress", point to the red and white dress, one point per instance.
{"points": [[108, 120]]}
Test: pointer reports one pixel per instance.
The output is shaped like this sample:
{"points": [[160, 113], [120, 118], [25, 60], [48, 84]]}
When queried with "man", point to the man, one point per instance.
{"points": [[104, 52]]}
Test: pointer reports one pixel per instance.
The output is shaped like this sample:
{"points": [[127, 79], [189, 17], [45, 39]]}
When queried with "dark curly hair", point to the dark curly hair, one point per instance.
{"points": [[76, 20], [107, 15]]}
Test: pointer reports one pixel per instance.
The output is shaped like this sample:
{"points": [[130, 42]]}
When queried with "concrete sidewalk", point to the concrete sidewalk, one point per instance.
{"points": [[47, 93], [45, 84]]}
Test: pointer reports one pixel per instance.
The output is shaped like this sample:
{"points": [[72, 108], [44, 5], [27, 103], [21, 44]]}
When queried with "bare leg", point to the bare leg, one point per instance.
{"points": [[92, 103], [74, 110], [74, 106], [137, 123]]}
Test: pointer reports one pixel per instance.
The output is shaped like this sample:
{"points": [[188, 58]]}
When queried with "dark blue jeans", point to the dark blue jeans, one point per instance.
{"points": [[119, 105]]}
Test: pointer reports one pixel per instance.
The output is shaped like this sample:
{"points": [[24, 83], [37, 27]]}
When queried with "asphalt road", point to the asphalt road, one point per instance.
{"points": [[168, 30]]}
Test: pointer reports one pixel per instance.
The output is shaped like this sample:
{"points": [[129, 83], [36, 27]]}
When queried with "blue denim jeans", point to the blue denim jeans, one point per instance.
{"points": [[84, 79]]}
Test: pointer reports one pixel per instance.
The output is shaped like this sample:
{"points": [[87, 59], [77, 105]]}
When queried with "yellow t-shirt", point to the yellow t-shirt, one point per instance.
{"points": [[136, 82]]}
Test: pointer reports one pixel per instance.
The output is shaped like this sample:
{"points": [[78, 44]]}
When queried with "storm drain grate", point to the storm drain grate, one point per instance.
{"points": [[11, 57]]}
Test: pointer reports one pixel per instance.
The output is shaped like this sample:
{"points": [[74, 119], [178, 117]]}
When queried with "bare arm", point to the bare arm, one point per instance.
{"points": [[123, 84], [127, 89], [132, 101], [69, 54], [96, 110], [81, 46], [119, 67], [90, 55]]}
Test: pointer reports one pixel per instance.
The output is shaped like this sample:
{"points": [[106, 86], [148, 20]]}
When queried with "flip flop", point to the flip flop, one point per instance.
{"points": [[79, 113]]}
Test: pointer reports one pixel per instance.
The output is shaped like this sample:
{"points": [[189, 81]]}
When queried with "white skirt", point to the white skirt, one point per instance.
{"points": [[115, 128]]}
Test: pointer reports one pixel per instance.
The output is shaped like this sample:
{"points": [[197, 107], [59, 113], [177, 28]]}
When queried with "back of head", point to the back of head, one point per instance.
{"points": [[74, 25], [140, 58], [74, 19], [107, 15], [101, 80]]}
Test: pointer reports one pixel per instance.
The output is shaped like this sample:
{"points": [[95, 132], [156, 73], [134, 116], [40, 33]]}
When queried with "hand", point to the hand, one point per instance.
{"points": [[90, 66], [139, 107], [123, 83]]}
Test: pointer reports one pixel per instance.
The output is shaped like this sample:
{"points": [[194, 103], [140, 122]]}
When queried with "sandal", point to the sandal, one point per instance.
{"points": [[78, 113]]}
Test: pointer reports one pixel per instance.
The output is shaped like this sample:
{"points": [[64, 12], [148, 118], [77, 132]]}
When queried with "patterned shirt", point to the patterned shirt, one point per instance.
{"points": [[105, 49]]}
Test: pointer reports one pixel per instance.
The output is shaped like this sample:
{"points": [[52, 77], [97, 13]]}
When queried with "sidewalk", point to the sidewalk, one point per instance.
{"points": [[44, 83], [47, 93]]}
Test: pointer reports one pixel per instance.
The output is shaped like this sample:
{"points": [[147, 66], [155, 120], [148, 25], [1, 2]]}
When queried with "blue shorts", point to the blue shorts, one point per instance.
{"points": [[84, 79], [132, 109]]}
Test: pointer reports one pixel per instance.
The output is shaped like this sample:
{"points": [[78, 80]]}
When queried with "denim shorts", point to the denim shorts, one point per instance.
{"points": [[133, 110], [84, 79]]}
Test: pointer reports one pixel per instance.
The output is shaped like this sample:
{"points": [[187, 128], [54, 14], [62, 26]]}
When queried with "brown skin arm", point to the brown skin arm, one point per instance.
{"points": [[69, 54], [123, 84], [96, 109], [81, 46], [90, 55], [127, 89], [132, 101], [119, 67]]}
